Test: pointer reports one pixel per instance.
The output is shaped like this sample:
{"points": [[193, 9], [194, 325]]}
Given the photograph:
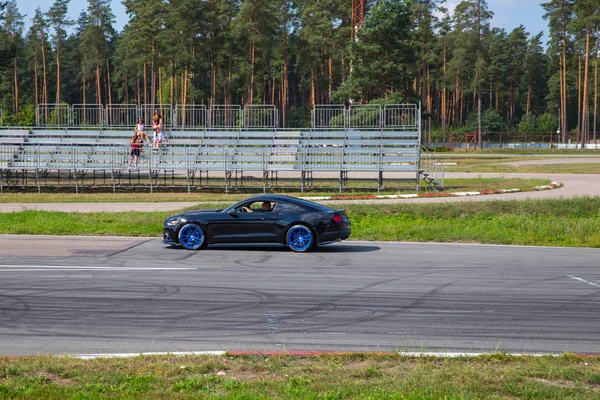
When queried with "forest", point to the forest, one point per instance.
{"points": [[468, 75]]}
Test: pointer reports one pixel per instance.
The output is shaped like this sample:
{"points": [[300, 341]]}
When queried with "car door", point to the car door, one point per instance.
{"points": [[245, 227]]}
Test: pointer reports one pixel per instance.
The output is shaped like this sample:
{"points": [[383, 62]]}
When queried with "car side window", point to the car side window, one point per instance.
{"points": [[257, 206], [287, 208]]}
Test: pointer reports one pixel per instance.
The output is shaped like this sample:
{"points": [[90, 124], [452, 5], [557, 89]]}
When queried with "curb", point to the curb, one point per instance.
{"points": [[413, 354], [551, 185]]}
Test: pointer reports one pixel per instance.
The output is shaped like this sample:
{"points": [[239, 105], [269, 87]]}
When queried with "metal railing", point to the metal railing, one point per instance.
{"points": [[121, 116], [261, 116], [87, 115], [222, 158], [53, 115], [165, 111], [225, 116], [365, 116], [190, 117], [406, 116], [329, 116], [201, 117]]}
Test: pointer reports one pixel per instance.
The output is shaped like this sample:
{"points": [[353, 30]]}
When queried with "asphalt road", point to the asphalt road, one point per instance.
{"points": [[115, 295]]}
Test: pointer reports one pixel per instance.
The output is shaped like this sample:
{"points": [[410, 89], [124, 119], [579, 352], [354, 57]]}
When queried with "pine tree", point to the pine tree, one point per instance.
{"points": [[13, 30], [57, 19], [96, 41]]}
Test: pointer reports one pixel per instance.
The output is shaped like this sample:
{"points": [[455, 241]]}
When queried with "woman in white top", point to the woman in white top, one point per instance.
{"points": [[159, 137], [139, 128]]}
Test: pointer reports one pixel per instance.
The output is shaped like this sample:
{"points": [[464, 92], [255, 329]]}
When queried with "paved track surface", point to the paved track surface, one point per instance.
{"points": [[121, 295]]}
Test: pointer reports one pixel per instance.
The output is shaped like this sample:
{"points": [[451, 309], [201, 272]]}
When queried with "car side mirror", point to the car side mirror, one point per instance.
{"points": [[232, 212]]}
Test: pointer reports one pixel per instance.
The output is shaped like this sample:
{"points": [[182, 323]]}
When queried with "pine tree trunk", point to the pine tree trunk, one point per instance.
{"points": [[153, 75], [284, 78], [457, 114], [172, 99], [564, 76], [184, 87], [108, 82], [497, 97], [45, 88], [58, 72], [585, 110], [138, 91], [126, 90], [16, 83], [529, 91], [330, 67], [444, 95], [36, 83], [230, 77], [579, 96], [145, 83], [98, 93], [312, 88], [251, 87], [596, 85], [160, 88], [213, 86], [83, 83], [343, 66]]}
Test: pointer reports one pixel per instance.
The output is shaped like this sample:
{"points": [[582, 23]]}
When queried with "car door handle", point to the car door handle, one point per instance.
{"points": [[271, 218]]}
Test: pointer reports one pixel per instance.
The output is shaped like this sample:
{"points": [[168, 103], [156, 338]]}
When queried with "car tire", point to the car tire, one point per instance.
{"points": [[300, 238], [192, 237]]}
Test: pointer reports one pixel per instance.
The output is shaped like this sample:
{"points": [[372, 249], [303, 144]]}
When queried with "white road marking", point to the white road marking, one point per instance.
{"points": [[584, 281], [222, 353], [16, 267], [131, 355], [456, 355]]}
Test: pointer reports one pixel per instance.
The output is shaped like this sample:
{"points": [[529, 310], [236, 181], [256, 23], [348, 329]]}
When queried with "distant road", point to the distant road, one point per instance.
{"points": [[575, 185], [121, 295]]}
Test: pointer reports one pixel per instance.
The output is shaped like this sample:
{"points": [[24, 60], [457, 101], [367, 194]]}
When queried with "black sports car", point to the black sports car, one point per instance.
{"points": [[297, 223]]}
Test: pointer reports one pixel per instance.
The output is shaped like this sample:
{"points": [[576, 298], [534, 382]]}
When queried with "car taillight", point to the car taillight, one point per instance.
{"points": [[338, 219]]}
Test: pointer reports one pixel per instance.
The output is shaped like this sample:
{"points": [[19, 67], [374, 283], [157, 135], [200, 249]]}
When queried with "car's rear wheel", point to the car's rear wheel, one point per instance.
{"points": [[300, 238], [192, 237]]}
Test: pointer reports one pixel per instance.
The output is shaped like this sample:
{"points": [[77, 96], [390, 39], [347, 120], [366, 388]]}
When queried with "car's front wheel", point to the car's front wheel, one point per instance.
{"points": [[192, 237], [300, 238]]}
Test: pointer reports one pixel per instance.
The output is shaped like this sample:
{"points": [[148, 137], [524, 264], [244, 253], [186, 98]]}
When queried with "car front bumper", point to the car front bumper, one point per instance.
{"points": [[169, 237]]}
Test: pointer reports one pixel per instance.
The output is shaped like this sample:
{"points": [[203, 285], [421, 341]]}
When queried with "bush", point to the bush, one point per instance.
{"points": [[27, 115], [527, 123], [492, 121], [546, 123]]}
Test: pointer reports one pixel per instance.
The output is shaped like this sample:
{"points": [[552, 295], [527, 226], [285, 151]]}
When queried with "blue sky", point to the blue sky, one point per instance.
{"points": [[508, 14]]}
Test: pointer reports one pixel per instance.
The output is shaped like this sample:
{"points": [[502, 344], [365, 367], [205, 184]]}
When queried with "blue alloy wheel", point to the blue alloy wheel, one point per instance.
{"points": [[300, 238], [191, 237]]}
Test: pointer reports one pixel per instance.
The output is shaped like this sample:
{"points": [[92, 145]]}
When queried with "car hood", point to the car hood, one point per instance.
{"points": [[195, 212]]}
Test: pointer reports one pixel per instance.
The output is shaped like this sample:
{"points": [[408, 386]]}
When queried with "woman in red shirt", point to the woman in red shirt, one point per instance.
{"points": [[137, 142]]}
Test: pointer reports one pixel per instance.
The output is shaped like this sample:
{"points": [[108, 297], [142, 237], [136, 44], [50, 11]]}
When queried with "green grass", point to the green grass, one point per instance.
{"points": [[572, 222], [341, 376], [560, 222]]}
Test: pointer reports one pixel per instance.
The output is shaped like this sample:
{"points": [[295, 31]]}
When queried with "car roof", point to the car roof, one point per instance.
{"points": [[290, 199]]}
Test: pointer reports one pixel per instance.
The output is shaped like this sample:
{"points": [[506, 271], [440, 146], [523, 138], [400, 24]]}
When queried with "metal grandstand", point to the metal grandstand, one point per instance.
{"points": [[87, 146]]}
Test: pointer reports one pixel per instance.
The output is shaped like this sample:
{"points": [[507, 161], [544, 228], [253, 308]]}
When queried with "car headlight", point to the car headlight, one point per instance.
{"points": [[175, 222]]}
